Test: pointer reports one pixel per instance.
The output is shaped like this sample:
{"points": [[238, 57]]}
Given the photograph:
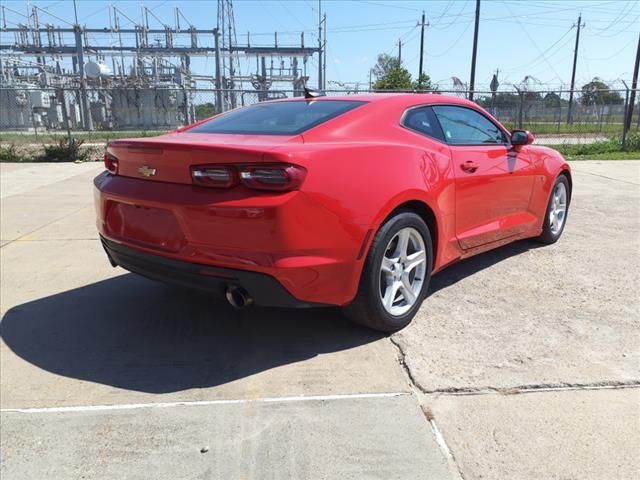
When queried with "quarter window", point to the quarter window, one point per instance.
{"points": [[464, 126], [423, 120]]}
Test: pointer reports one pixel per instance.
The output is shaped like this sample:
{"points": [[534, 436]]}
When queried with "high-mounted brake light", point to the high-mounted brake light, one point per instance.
{"points": [[273, 177], [111, 163]]}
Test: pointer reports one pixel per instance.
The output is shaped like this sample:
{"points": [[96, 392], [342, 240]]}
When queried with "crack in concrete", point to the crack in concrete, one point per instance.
{"points": [[428, 414], [402, 360], [533, 388], [515, 390], [520, 389]]}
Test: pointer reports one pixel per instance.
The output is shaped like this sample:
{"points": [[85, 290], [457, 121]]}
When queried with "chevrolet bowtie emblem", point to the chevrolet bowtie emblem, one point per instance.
{"points": [[147, 171]]}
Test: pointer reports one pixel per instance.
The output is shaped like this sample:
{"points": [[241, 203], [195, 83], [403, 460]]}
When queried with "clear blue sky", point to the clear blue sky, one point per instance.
{"points": [[518, 37]]}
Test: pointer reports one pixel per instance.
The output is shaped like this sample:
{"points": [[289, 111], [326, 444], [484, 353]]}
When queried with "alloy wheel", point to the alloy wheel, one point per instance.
{"points": [[403, 271], [558, 210]]}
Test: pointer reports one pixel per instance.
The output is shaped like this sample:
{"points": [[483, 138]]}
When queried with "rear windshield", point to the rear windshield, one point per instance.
{"points": [[278, 118]]}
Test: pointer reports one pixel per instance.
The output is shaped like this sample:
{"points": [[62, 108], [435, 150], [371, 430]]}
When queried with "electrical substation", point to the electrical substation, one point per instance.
{"points": [[139, 76]]}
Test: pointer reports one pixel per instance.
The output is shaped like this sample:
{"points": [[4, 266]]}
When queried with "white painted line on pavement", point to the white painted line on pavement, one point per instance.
{"points": [[444, 447], [201, 403]]}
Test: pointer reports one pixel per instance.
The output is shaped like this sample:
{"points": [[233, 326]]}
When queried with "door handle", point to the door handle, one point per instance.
{"points": [[469, 166]]}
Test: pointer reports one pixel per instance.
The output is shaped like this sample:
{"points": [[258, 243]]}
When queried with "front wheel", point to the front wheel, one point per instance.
{"points": [[556, 214], [395, 276]]}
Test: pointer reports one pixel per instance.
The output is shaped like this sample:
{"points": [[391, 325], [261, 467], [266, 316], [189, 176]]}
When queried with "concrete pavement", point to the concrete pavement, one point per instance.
{"points": [[107, 375]]}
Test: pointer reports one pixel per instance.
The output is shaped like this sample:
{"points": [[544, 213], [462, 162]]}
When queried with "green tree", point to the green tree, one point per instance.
{"points": [[385, 63], [502, 99], [397, 78], [205, 110], [390, 74], [596, 92], [423, 84], [553, 100]]}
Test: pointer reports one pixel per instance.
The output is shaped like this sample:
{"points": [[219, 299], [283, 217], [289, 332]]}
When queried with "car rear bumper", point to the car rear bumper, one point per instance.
{"points": [[291, 238], [263, 289]]}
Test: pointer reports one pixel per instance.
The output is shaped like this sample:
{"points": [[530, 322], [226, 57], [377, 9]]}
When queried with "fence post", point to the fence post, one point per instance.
{"points": [[624, 117], [66, 122], [521, 108]]}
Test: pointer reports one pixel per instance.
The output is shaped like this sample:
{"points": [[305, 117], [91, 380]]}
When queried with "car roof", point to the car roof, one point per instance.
{"points": [[399, 99]]}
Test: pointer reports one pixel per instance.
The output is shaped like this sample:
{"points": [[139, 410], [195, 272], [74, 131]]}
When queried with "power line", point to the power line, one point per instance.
{"points": [[633, 40], [624, 30], [560, 7], [457, 40], [533, 41], [542, 54], [389, 5]]}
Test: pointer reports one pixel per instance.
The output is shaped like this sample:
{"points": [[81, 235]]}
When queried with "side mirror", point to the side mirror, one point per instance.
{"points": [[521, 137]]}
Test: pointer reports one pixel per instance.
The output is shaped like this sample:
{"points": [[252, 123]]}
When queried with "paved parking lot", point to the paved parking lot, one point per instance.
{"points": [[523, 363]]}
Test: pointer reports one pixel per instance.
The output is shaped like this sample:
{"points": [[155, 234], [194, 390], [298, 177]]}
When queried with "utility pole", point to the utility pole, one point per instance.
{"points": [[573, 72], [399, 51], [422, 25], [219, 105], [86, 108], [75, 11], [320, 69], [472, 82], [634, 87], [624, 115], [232, 73], [324, 53]]}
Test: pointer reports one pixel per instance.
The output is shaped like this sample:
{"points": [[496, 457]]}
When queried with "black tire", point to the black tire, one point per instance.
{"points": [[367, 308], [547, 236]]}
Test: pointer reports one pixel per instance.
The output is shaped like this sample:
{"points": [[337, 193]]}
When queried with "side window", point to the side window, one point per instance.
{"points": [[464, 126], [423, 120]]}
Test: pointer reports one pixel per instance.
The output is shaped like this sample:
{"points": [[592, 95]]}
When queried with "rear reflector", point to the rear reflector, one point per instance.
{"points": [[111, 163], [273, 177]]}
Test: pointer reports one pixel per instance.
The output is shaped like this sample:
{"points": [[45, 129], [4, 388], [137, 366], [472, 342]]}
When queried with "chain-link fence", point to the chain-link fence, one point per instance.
{"points": [[561, 114]]}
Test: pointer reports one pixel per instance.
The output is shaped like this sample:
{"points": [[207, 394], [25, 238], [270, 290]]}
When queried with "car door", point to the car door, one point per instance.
{"points": [[493, 180]]}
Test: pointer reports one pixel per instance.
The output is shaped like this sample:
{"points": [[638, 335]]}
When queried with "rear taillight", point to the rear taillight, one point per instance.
{"points": [[273, 177], [214, 176], [111, 163]]}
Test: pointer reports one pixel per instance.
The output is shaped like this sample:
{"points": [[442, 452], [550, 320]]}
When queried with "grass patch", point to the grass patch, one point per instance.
{"points": [[13, 155], [87, 137], [606, 156], [606, 150], [57, 152], [548, 128], [64, 151]]}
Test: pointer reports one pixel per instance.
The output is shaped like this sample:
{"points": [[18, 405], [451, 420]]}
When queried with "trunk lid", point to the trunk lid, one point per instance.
{"points": [[168, 158]]}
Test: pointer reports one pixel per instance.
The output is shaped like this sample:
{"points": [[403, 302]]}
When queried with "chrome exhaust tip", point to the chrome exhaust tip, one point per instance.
{"points": [[237, 297]]}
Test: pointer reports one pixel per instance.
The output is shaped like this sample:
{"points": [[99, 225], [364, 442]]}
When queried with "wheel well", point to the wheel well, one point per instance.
{"points": [[425, 212], [567, 174]]}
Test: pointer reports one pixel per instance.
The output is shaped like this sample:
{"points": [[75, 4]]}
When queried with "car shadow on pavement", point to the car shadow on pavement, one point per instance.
{"points": [[135, 334], [470, 266]]}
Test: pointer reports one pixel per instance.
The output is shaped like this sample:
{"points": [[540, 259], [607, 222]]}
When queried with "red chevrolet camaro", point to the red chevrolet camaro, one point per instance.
{"points": [[345, 201]]}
